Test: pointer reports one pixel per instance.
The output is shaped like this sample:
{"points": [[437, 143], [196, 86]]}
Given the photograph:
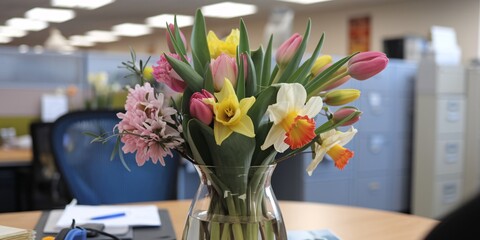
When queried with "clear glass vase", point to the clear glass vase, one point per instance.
{"points": [[235, 203]]}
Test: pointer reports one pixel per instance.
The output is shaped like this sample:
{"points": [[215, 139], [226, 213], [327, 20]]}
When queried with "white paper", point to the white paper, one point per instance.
{"points": [[134, 215]]}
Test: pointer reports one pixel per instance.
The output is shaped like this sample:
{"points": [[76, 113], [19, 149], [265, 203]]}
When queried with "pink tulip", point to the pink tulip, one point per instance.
{"points": [[287, 50], [342, 113], [223, 67], [169, 41], [199, 109], [367, 64]]}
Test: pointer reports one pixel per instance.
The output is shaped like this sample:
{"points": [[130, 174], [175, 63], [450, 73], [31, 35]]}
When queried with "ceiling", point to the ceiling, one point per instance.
{"points": [[135, 11]]}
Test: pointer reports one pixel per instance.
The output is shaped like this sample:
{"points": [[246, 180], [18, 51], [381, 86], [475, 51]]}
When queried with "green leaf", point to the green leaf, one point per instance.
{"points": [[198, 143], [179, 48], [264, 99], [243, 46], [322, 79], [251, 78], [267, 63], [240, 80], [178, 38], [185, 112], [306, 67], [199, 43], [185, 71], [257, 58], [235, 151], [208, 84], [297, 58]]}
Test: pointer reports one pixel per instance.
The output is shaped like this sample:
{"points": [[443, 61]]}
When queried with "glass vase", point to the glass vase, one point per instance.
{"points": [[234, 203]]}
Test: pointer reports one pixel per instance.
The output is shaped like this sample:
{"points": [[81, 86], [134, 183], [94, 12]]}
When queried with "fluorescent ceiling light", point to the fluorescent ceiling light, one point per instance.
{"points": [[85, 4], [304, 1], [4, 39], [102, 36], [161, 20], [81, 41], [50, 14], [228, 10], [131, 29], [11, 32], [27, 24]]}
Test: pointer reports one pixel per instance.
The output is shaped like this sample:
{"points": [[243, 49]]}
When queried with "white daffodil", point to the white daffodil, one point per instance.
{"points": [[293, 124], [332, 143]]}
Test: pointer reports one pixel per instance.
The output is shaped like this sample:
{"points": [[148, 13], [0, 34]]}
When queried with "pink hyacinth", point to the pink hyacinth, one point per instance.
{"points": [[164, 73], [147, 116]]}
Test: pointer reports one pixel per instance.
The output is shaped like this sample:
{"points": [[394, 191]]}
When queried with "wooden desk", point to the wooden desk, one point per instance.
{"points": [[15, 157], [346, 222]]}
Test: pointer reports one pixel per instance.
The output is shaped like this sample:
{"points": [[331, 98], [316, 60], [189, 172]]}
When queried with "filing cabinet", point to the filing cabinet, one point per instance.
{"points": [[439, 145], [471, 168]]}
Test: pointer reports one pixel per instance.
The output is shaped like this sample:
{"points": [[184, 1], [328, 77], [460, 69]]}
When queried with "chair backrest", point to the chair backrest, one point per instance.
{"points": [[95, 179], [48, 191]]}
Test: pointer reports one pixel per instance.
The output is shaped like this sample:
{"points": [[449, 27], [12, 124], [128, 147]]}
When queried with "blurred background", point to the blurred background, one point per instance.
{"points": [[417, 147]]}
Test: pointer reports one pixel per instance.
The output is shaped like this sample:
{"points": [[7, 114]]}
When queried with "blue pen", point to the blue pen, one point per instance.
{"points": [[114, 215]]}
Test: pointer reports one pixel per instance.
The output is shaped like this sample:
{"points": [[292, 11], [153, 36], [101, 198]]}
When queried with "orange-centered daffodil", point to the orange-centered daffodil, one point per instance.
{"points": [[230, 114], [331, 143], [293, 124]]}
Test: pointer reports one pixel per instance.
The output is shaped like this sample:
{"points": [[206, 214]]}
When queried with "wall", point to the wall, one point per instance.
{"points": [[391, 19]]}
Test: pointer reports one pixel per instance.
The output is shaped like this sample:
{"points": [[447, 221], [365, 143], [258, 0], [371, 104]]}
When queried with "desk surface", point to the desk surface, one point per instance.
{"points": [[346, 222], [16, 157]]}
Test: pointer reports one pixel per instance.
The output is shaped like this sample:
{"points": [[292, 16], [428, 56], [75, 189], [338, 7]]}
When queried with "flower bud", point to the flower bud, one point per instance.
{"points": [[322, 63], [343, 113], [367, 64], [338, 82], [341, 96], [199, 109], [169, 40], [223, 67], [287, 50]]}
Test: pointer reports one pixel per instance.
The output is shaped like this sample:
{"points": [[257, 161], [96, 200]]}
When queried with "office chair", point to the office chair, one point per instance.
{"points": [[92, 177], [48, 191]]}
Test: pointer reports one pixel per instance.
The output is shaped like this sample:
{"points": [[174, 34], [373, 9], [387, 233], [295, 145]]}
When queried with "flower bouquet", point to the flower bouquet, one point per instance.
{"points": [[235, 113]]}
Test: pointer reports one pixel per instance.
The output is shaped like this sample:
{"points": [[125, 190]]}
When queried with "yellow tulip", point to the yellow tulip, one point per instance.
{"points": [[229, 46]]}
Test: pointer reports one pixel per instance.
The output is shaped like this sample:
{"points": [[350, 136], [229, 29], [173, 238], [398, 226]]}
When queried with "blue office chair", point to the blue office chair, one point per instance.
{"points": [[92, 177]]}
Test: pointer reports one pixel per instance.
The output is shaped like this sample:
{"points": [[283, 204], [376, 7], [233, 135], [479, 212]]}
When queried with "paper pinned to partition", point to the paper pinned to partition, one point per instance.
{"points": [[146, 215]]}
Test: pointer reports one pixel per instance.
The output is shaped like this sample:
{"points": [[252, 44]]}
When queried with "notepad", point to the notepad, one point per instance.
{"points": [[323, 234], [146, 216], [11, 233]]}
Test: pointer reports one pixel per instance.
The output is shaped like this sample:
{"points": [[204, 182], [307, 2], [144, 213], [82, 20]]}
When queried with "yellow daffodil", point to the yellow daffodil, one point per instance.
{"points": [[332, 143], [230, 114], [217, 46], [293, 124]]}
